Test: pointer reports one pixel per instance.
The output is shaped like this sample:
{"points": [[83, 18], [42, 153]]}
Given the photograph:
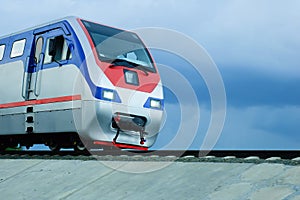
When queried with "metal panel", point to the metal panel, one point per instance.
{"points": [[54, 121], [11, 82], [12, 124]]}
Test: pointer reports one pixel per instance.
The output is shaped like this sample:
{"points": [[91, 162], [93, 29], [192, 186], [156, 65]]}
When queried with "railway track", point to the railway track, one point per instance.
{"points": [[233, 156]]}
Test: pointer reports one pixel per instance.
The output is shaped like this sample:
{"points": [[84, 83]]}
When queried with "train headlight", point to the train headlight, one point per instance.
{"points": [[131, 77], [154, 103], [108, 94]]}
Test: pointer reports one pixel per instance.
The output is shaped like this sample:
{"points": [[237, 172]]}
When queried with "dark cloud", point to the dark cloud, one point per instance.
{"points": [[246, 87], [186, 72], [261, 127], [282, 121]]}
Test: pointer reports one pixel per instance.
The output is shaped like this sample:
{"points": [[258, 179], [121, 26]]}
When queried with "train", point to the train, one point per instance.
{"points": [[73, 83]]}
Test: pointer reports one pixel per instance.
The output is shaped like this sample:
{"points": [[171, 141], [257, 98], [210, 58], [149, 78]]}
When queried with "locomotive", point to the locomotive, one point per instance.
{"points": [[73, 83]]}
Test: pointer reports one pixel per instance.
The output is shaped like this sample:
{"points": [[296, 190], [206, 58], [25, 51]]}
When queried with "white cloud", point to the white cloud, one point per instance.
{"points": [[257, 34], [250, 33]]}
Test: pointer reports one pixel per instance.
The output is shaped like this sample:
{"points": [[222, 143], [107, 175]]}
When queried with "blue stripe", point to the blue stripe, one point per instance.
{"points": [[79, 60]]}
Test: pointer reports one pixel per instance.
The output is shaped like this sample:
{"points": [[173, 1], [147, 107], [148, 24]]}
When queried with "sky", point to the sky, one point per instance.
{"points": [[254, 44]]}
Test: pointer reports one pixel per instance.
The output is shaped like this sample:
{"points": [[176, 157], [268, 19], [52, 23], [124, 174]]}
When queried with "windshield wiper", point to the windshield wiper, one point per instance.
{"points": [[130, 64], [142, 68]]}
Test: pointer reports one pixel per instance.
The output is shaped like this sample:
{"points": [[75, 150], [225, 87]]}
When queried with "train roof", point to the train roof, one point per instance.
{"points": [[68, 18]]}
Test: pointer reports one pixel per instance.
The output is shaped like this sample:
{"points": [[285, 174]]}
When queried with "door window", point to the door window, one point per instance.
{"points": [[38, 49], [57, 50]]}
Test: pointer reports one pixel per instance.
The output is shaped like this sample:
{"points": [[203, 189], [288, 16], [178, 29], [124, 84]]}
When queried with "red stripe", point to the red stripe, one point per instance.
{"points": [[41, 101], [121, 145]]}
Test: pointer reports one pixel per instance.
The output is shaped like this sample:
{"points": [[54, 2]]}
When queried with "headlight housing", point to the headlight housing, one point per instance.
{"points": [[107, 95], [131, 77], [154, 103]]}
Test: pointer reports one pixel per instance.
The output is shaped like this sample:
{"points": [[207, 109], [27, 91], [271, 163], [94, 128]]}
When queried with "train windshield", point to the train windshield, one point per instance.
{"points": [[119, 47]]}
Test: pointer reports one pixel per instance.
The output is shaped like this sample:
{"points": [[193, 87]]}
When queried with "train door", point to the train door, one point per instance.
{"points": [[30, 90], [50, 51]]}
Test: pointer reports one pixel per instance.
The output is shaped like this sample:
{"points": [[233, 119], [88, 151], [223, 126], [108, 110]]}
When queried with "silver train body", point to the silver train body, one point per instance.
{"points": [[74, 83]]}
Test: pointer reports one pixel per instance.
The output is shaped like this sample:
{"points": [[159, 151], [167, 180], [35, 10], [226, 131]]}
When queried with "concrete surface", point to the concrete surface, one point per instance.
{"points": [[74, 179]]}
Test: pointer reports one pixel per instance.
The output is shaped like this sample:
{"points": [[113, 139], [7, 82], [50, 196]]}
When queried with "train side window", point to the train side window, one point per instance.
{"points": [[2, 48], [18, 48], [57, 50]]}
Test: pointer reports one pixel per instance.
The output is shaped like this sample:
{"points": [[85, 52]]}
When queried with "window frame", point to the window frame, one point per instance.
{"points": [[37, 56], [46, 51], [3, 52], [21, 52]]}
